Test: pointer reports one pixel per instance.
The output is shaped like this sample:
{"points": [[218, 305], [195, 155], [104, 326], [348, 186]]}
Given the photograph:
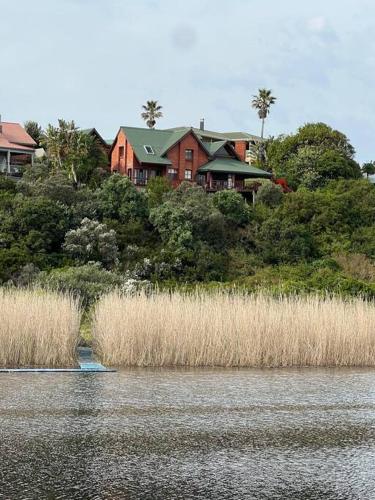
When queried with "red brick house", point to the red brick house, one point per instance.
{"points": [[17, 148], [214, 160]]}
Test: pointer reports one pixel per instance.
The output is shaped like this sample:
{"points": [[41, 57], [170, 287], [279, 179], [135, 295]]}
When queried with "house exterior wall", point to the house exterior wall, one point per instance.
{"points": [[121, 165], [177, 156], [129, 163]]}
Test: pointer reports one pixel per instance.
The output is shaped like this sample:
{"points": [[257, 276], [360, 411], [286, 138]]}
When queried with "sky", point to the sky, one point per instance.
{"points": [[98, 61]]}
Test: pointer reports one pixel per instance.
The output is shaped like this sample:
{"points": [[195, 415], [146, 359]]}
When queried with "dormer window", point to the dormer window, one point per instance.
{"points": [[149, 150]]}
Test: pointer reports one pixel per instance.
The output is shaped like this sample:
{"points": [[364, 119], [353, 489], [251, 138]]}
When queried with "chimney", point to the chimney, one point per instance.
{"points": [[201, 124]]}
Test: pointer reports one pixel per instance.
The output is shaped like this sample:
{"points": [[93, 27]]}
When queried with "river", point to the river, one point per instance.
{"points": [[188, 434]]}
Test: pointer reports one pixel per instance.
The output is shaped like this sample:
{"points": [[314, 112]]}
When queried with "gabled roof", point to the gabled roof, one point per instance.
{"points": [[95, 133], [15, 137], [141, 137], [222, 136], [214, 147], [232, 166], [161, 142]]}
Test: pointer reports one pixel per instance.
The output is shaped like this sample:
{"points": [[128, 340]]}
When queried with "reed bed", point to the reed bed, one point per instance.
{"points": [[38, 329], [233, 331]]}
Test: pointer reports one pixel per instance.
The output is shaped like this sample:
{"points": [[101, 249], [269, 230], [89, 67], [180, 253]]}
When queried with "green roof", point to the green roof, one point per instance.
{"points": [[173, 139], [157, 139], [221, 136], [93, 131], [160, 141], [232, 166], [213, 147]]}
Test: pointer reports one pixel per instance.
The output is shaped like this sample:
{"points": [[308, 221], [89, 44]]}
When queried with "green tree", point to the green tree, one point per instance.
{"points": [[313, 156], [92, 241], [270, 194], [94, 167], [156, 188], [34, 130], [39, 224], [151, 113], [233, 206], [67, 147], [368, 168], [88, 282], [262, 103], [120, 199]]}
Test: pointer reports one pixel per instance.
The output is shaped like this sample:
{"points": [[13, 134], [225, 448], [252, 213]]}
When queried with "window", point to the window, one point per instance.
{"points": [[149, 150], [189, 154], [121, 151], [172, 173], [188, 175]]}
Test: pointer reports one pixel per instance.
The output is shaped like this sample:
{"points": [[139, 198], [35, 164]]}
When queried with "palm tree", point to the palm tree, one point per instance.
{"points": [[262, 103], [152, 111], [368, 168]]}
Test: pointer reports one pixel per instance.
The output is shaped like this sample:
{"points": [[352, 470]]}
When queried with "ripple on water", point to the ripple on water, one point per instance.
{"points": [[222, 434]]}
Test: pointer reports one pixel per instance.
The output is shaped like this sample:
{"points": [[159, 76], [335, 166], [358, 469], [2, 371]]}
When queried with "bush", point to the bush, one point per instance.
{"points": [[87, 282], [92, 241], [120, 199], [270, 195], [156, 188], [233, 206]]}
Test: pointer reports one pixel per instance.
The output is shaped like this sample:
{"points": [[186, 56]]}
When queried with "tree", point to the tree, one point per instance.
{"points": [[93, 169], [262, 103], [92, 241], [152, 111], [67, 147], [120, 199], [233, 206], [368, 168], [270, 194], [313, 156], [156, 188], [39, 224], [188, 219], [34, 130]]}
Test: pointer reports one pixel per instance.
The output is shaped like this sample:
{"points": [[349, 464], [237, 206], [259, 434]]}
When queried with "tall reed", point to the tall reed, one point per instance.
{"points": [[233, 330], [38, 329]]}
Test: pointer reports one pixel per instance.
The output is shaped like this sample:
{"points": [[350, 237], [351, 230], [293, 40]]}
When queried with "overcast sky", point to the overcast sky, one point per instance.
{"points": [[98, 61]]}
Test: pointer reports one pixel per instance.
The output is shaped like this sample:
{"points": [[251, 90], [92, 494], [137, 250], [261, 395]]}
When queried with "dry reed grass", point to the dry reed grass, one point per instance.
{"points": [[233, 330], [38, 329]]}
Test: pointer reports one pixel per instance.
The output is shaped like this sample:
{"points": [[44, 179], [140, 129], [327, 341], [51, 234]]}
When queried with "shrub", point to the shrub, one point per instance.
{"points": [[120, 199], [92, 241], [88, 282], [156, 188], [270, 194], [233, 206]]}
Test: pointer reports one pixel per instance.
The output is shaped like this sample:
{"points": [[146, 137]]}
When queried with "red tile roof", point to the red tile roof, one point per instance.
{"points": [[14, 136]]}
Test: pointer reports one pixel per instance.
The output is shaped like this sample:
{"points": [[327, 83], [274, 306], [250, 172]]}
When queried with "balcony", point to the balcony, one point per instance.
{"points": [[214, 185], [13, 170]]}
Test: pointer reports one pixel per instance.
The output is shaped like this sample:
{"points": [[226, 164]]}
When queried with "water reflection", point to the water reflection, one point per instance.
{"points": [[222, 434]]}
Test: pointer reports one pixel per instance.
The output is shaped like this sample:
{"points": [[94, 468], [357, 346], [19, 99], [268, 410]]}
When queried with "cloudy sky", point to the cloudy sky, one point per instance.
{"points": [[97, 61]]}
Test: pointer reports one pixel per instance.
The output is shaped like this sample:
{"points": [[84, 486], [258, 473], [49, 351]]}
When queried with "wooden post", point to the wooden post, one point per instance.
{"points": [[8, 162]]}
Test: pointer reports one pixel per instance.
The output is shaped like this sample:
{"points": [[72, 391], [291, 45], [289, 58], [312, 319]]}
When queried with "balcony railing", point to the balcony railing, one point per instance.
{"points": [[139, 181], [13, 169], [220, 185]]}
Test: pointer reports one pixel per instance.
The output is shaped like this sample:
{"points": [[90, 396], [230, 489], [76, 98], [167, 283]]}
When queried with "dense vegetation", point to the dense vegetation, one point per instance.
{"points": [[69, 225]]}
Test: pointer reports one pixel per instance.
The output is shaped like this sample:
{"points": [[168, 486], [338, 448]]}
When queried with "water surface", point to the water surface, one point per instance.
{"points": [[188, 434]]}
